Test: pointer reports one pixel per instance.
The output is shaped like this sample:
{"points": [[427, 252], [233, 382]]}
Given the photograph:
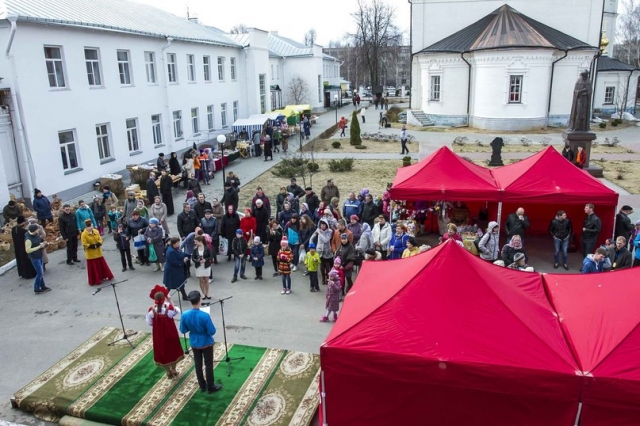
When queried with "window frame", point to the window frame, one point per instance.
{"points": [[515, 97], [104, 142], [178, 132], [65, 153], [223, 114], [133, 136], [195, 120], [124, 68], [435, 88], [609, 98], [172, 68], [56, 72], [220, 63], [233, 68], [262, 90], [206, 66], [235, 108], [156, 130], [150, 67], [93, 68], [191, 68], [210, 117]]}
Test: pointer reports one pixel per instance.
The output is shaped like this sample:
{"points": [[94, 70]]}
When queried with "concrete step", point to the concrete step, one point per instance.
{"points": [[422, 118]]}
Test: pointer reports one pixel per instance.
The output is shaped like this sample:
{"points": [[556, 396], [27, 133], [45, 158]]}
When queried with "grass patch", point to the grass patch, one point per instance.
{"points": [[326, 145], [533, 148], [621, 172]]}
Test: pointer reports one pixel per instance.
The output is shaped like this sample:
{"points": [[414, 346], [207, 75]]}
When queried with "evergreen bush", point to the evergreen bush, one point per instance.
{"points": [[354, 132]]}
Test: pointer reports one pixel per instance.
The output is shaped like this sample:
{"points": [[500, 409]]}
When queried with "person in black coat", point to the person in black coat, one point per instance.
{"points": [[369, 211], [68, 227], [152, 189], [230, 223], [624, 227], [619, 255], [262, 214], [274, 236], [201, 207], [312, 201], [136, 226], [166, 183], [123, 244], [174, 275], [25, 267], [174, 167], [516, 224], [187, 221], [230, 197]]}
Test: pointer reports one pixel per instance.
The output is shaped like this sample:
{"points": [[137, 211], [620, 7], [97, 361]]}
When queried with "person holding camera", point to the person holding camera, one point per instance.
{"points": [[35, 247], [97, 268]]}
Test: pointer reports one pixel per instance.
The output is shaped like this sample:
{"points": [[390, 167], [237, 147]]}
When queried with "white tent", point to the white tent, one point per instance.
{"points": [[251, 124]]}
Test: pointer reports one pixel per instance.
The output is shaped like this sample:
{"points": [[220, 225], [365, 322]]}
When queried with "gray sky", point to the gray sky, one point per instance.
{"points": [[330, 18]]}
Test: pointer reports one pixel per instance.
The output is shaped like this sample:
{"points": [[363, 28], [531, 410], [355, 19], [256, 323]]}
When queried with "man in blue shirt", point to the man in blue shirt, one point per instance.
{"points": [[201, 330]]}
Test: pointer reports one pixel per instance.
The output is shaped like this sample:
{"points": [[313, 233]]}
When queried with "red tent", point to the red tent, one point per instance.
{"points": [[545, 183], [600, 315], [444, 175], [443, 339]]}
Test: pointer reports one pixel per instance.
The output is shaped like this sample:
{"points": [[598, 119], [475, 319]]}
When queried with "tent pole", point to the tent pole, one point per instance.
{"points": [[577, 422], [323, 402], [499, 219]]}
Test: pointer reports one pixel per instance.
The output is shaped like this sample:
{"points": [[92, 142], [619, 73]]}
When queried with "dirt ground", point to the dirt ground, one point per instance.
{"points": [[533, 148], [371, 174], [549, 130], [623, 173], [324, 145]]}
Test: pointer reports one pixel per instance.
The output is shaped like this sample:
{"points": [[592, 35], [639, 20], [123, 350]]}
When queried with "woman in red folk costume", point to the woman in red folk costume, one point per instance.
{"points": [[167, 351]]}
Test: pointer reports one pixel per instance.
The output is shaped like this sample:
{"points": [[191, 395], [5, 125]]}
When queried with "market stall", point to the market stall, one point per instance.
{"points": [[250, 125]]}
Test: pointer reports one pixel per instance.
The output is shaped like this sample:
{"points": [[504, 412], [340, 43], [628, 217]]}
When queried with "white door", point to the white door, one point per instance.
{"points": [[9, 156]]}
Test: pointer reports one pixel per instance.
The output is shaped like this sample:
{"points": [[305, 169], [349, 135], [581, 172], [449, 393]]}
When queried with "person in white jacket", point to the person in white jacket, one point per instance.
{"points": [[382, 236], [488, 245]]}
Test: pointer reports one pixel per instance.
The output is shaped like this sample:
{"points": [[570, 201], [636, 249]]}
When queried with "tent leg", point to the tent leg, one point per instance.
{"points": [[499, 219], [577, 422], [324, 402]]}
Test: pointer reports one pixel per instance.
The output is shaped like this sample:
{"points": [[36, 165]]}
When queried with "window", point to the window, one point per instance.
{"points": [[93, 67], [609, 94], [515, 89], [68, 149], [235, 110], [220, 68], [273, 75], [263, 93], [171, 67], [177, 124], [191, 68], [150, 65], [277, 72], [435, 88], [206, 61], [102, 135], [55, 69], [210, 116], [233, 68], [195, 126], [319, 88], [156, 129], [223, 115], [124, 67], [132, 135]]}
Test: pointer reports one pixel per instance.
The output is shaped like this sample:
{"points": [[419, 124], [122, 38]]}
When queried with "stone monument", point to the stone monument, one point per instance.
{"points": [[496, 154], [578, 131]]}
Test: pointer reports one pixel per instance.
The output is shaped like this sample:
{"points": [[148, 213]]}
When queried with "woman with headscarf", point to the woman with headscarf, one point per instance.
{"points": [[167, 352], [174, 167], [274, 236], [155, 243], [143, 212], [43, 235], [166, 183], [366, 239], [18, 233], [160, 211], [398, 242], [97, 268], [510, 250]]}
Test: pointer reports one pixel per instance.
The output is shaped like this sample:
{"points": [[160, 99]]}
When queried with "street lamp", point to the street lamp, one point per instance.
{"points": [[221, 140], [336, 98], [301, 131]]}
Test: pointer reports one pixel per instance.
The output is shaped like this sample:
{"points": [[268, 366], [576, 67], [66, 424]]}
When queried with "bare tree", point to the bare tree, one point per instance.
{"points": [[375, 33], [310, 37], [298, 90], [622, 97], [239, 29], [628, 50]]}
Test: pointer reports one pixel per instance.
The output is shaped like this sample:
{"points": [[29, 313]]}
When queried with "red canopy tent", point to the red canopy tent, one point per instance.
{"points": [[545, 183], [600, 315], [441, 338]]}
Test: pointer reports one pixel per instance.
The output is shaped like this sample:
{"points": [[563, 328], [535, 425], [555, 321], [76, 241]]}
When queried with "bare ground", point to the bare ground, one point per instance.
{"points": [[548, 130], [623, 173], [371, 174], [533, 148], [324, 145]]}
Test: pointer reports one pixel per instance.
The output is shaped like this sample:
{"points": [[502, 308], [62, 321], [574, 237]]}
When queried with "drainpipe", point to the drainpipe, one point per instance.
{"points": [[627, 94], [26, 170], [410, 52], [165, 95], [594, 67], [468, 91], [553, 64]]}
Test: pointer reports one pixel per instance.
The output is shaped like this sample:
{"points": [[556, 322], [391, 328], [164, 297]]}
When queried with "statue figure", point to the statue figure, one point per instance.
{"points": [[496, 155], [581, 108]]}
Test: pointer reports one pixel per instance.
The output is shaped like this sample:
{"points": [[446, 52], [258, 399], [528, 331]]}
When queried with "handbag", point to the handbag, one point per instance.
{"points": [[139, 242], [303, 254], [153, 257], [223, 247]]}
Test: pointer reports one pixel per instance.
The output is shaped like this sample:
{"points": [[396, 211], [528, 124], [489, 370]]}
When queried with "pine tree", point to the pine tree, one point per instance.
{"points": [[354, 133]]}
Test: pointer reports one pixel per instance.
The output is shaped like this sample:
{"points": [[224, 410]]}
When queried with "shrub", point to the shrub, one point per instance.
{"points": [[546, 141], [614, 123], [354, 133], [361, 147], [290, 167], [618, 120], [525, 141], [392, 114], [460, 140], [479, 142], [602, 125], [313, 167], [343, 165], [336, 144], [621, 173]]}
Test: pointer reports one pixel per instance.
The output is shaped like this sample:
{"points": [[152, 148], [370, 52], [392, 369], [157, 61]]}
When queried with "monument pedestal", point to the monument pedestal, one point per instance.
{"points": [[584, 139]]}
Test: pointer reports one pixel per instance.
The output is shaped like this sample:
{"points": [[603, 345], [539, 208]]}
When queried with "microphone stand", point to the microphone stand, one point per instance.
{"points": [[184, 336], [227, 359], [125, 336]]}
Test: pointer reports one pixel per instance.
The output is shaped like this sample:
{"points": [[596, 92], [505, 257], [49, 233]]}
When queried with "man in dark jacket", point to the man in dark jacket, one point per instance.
{"points": [[166, 184], [280, 199], [329, 191], [42, 206], [160, 163], [560, 229], [187, 221], [619, 255], [591, 228], [11, 211], [239, 249], [230, 196], [201, 207], [152, 189], [209, 225], [369, 211], [312, 201], [230, 223], [295, 189], [260, 195], [517, 223], [69, 232], [624, 227], [261, 214]]}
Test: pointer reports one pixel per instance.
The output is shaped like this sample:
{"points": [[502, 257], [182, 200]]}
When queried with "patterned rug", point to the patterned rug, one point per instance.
{"points": [[122, 385]]}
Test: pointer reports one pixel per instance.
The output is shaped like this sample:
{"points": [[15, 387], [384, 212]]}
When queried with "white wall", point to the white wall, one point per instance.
{"points": [[434, 20], [309, 68], [619, 80], [453, 73], [47, 111], [565, 74], [257, 63]]}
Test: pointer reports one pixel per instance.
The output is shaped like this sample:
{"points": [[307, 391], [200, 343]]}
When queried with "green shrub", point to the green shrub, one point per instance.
{"points": [[354, 132], [290, 167], [361, 147], [602, 125], [614, 123], [313, 167], [343, 165], [392, 114], [335, 144], [618, 120]]}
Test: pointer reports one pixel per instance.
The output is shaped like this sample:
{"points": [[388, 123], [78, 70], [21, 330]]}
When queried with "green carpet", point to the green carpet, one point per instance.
{"points": [[267, 387]]}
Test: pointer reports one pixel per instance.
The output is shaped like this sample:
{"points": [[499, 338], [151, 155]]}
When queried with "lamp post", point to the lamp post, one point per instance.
{"points": [[221, 140], [336, 98], [301, 130]]}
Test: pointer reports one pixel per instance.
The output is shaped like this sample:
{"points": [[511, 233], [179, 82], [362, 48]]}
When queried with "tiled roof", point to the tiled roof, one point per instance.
{"points": [[114, 15], [605, 63], [505, 27]]}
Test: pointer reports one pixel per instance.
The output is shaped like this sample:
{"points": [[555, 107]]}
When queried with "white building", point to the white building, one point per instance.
{"points": [[616, 86], [508, 65], [95, 85]]}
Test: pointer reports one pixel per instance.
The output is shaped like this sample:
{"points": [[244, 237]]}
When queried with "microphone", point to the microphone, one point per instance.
{"points": [[96, 292]]}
